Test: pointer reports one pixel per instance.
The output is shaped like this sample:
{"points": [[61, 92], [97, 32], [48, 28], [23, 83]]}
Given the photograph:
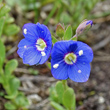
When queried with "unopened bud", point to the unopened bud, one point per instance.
{"points": [[83, 27], [60, 30]]}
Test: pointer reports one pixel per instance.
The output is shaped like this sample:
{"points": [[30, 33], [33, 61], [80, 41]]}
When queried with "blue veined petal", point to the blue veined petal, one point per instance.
{"points": [[23, 46], [44, 58], [31, 56], [25, 42], [87, 51], [60, 72], [30, 32], [79, 72], [64, 47], [43, 32]]}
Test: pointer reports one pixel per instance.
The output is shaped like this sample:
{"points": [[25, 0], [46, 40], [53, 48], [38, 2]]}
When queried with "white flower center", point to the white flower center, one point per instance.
{"points": [[70, 58], [41, 45], [80, 52]]}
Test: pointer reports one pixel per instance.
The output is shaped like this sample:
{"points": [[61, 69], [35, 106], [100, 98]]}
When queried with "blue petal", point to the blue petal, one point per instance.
{"points": [[43, 32], [82, 75], [31, 33], [44, 58], [21, 47], [60, 72], [31, 56], [87, 51], [63, 47]]}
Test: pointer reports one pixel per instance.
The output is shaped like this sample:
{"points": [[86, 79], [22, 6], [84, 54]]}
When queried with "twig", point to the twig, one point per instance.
{"points": [[37, 78], [39, 105]]}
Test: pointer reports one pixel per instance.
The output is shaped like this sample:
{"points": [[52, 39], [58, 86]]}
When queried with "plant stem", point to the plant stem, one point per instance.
{"points": [[65, 84]]}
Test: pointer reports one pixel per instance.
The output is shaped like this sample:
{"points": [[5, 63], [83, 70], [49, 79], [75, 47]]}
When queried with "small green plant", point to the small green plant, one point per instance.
{"points": [[62, 97], [16, 99]]}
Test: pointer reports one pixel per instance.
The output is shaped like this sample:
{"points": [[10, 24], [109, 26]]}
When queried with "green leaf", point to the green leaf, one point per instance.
{"points": [[2, 20], [53, 94], [68, 33], [54, 40], [60, 30], [21, 100], [10, 66], [12, 87], [4, 9], [10, 106], [11, 30], [57, 106], [2, 54], [69, 99], [9, 19], [60, 90]]}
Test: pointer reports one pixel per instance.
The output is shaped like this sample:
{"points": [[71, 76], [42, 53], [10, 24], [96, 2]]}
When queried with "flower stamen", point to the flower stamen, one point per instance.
{"points": [[40, 44], [43, 53], [80, 52], [25, 31], [70, 58], [55, 66]]}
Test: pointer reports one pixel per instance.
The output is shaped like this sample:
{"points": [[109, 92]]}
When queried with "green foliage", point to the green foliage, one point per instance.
{"points": [[69, 99], [11, 29], [60, 90], [57, 106], [10, 83], [60, 30], [62, 97], [2, 54], [68, 33], [10, 66], [6, 22], [2, 20]]}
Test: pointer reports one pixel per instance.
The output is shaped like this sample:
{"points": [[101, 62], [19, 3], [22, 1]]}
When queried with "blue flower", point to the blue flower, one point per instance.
{"points": [[35, 48], [71, 59]]}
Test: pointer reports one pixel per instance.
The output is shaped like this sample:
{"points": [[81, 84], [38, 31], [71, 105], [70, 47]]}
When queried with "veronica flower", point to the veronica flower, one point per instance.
{"points": [[71, 59], [36, 46]]}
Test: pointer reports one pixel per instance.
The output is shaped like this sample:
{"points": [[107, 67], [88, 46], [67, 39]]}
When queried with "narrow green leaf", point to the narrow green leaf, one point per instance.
{"points": [[11, 30], [57, 106], [2, 20], [69, 99], [60, 90], [2, 54], [10, 66], [68, 33]]}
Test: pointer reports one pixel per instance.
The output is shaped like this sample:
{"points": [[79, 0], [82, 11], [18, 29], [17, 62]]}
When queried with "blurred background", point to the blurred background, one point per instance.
{"points": [[35, 81]]}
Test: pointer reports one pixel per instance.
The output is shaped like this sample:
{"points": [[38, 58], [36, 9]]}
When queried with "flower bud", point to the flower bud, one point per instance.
{"points": [[60, 30], [83, 27]]}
